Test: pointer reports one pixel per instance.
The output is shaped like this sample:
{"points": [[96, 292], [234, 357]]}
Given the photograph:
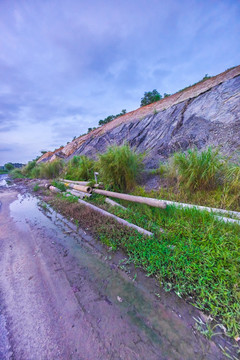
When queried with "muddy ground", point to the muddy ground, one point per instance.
{"points": [[64, 296]]}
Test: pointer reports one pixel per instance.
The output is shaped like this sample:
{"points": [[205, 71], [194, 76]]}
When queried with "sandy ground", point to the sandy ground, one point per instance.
{"points": [[59, 299]]}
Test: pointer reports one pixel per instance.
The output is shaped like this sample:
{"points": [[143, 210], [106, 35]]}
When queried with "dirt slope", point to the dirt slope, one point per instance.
{"points": [[225, 105]]}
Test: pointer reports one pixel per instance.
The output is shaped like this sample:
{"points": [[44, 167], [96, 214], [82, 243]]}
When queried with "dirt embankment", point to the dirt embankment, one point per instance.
{"points": [[81, 144]]}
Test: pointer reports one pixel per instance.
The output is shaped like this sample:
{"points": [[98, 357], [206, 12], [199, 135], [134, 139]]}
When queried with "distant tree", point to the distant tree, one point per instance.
{"points": [[166, 95], [111, 117], [150, 97], [9, 166], [89, 130], [43, 152]]}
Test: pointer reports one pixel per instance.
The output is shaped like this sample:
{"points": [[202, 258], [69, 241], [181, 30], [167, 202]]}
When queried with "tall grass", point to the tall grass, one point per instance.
{"points": [[26, 170], [80, 168], [198, 170], [51, 170], [48, 170], [119, 167], [195, 170]]}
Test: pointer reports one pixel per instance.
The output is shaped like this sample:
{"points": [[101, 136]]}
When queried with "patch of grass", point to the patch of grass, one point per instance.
{"points": [[201, 178], [26, 170], [36, 187], [80, 168], [196, 256], [59, 185], [16, 174], [119, 167], [198, 170], [51, 170]]}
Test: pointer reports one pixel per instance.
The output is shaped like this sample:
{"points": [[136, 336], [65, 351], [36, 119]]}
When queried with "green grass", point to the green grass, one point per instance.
{"points": [[36, 187], [59, 185], [204, 178], [197, 170], [80, 168], [197, 256], [119, 167], [16, 174]]}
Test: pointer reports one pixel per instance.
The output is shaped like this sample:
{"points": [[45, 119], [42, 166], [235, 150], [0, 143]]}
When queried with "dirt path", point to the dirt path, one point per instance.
{"points": [[60, 300]]}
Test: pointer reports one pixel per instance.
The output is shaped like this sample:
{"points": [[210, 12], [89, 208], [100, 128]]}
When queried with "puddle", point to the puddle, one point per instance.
{"points": [[3, 180], [156, 323]]}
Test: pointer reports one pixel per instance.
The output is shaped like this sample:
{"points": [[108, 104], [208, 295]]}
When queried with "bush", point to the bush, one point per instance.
{"points": [[28, 168], [198, 170], [120, 166], [16, 174], [80, 168], [51, 170], [59, 185], [150, 97], [9, 166]]}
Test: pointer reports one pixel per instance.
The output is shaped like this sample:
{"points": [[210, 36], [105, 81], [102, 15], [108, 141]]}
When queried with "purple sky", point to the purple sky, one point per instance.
{"points": [[66, 64]]}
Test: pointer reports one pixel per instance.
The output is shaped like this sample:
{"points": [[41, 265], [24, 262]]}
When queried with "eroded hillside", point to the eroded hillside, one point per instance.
{"points": [[204, 114]]}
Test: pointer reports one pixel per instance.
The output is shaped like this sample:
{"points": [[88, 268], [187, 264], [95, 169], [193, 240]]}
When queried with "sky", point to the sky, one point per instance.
{"points": [[66, 64]]}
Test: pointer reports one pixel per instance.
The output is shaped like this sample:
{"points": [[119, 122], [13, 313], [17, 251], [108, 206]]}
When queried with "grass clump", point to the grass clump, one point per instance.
{"points": [[204, 178], [80, 168], [198, 170], [27, 169], [51, 170], [17, 173], [59, 185], [36, 187], [119, 167]]}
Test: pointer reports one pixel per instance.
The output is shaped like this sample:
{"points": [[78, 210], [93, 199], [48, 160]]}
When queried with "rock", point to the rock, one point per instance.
{"points": [[206, 114]]}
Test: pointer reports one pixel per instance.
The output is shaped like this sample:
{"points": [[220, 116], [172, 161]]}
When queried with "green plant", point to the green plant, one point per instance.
{"points": [[16, 174], [9, 166], [51, 170], [26, 171], [36, 187], [120, 166], [197, 170], [80, 168], [59, 185], [150, 97]]}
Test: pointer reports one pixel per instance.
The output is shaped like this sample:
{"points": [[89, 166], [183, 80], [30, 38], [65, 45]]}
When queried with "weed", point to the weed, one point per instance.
{"points": [[36, 187], [80, 168], [51, 170], [119, 167], [59, 185], [198, 170], [16, 174]]}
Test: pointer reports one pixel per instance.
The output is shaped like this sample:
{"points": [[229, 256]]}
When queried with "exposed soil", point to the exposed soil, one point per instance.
{"points": [[64, 295]]}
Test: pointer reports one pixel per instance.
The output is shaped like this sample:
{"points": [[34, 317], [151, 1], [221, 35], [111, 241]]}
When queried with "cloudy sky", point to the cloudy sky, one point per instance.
{"points": [[66, 64]]}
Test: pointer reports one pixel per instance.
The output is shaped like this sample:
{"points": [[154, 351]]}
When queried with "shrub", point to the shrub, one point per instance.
{"points": [[80, 168], [28, 168], [9, 166], [198, 170], [16, 174], [51, 170], [120, 166], [36, 187], [150, 97], [59, 185]]}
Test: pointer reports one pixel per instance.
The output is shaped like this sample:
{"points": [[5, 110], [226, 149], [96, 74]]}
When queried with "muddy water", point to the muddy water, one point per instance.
{"points": [[128, 322]]}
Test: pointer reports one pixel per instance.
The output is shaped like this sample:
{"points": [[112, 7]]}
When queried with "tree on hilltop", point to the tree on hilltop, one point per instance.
{"points": [[150, 97]]}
